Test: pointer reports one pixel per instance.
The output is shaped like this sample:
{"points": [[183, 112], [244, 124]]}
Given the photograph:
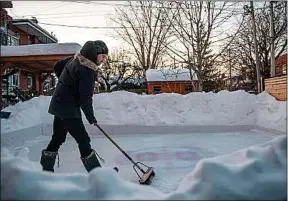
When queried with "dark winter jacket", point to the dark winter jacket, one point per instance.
{"points": [[74, 90], [59, 66]]}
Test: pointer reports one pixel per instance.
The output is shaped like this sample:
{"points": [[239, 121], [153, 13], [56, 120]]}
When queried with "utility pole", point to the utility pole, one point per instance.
{"points": [[174, 60], [230, 70], [272, 50], [250, 11]]}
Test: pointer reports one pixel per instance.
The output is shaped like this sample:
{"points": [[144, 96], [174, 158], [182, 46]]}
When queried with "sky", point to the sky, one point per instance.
{"points": [[70, 13], [79, 13]]}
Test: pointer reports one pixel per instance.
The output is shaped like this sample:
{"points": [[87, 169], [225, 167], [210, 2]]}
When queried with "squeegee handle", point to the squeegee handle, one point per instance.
{"points": [[123, 152]]}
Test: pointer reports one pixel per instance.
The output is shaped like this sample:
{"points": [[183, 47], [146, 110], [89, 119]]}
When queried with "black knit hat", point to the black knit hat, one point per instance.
{"points": [[91, 49]]}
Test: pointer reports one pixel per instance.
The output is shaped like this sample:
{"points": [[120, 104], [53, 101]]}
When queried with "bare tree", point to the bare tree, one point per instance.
{"points": [[145, 27], [198, 28], [117, 70], [242, 48]]}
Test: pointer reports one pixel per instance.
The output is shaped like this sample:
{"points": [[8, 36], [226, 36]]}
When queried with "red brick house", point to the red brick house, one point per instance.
{"points": [[281, 65], [277, 85], [20, 32], [28, 54]]}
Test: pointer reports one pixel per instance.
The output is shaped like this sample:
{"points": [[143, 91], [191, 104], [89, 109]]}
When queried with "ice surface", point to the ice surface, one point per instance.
{"points": [[172, 155], [257, 172]]}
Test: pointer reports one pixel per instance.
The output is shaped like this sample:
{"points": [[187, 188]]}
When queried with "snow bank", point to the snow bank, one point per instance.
{"points": [[27, 114], [23, 179], [271, 113], [194, 109], [254, 173], [257, 173]]}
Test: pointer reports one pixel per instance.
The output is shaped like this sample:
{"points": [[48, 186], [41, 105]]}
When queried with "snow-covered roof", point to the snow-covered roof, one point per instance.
{"points": [[154, 75], [40, 49]]}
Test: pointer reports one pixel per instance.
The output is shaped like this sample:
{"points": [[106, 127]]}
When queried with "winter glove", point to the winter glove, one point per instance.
{"points": [[92, 120]]}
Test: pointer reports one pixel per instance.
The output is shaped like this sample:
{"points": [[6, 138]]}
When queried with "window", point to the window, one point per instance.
{"points": [[188, 89], [284, 68], [30, 82], [14, 80], [156, 90], [12, 40], [3, 33]]}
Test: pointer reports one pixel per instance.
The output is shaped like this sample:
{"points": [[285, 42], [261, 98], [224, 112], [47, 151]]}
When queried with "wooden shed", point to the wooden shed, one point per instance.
{"points": [[170, 81]]}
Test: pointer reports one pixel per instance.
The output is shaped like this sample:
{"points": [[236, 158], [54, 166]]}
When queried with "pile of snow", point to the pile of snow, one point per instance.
{"points": [[194, 109], [271, 113], [27, 114], [257, 172]]}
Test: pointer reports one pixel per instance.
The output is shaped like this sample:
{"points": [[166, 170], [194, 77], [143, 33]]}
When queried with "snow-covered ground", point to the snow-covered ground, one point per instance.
{"points": [[192, 160]]}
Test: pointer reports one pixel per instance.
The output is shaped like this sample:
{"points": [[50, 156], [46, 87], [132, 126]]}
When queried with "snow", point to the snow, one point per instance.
{"points": [[257, 172], [194, 109], [40, 49], [153, 75], [184, 137]]}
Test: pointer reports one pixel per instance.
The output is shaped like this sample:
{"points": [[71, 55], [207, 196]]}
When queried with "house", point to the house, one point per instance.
{"points": [[281, 65], [231, 82], [35, 62], [28, 54], [170, 80], [19, 32], [277, 86], [242, 81]]}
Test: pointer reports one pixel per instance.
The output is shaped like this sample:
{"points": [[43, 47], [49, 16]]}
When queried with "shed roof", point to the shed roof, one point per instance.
{"points": [[154, 75]]}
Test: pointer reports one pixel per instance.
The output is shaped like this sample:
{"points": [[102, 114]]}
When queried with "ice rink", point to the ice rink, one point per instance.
{"points": [[173, 155]]}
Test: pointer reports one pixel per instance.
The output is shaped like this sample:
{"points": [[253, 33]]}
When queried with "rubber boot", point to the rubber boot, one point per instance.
{"points": [[48, 159], [90, 162]]}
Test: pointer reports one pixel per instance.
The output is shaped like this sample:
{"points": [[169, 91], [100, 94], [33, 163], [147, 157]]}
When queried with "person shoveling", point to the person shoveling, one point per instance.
{"points": [[73, 92]]}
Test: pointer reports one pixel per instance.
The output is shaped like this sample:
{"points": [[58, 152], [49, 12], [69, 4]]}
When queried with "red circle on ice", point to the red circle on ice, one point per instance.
{"points": [[164, 157]]}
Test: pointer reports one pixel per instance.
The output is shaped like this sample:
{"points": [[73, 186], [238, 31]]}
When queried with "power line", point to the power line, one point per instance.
{"points": [[83, 27], [13, 12], [143, 6], [50, 14], [107, 27], [97, 27], [70, 16], [125, 5], [59, 4]]}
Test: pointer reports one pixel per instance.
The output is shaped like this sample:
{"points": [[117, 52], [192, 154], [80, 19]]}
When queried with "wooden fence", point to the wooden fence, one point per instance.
{"points": [[277, 87]]}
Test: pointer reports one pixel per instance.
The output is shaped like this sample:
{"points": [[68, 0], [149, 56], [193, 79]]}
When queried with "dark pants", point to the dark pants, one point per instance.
{"points": [[76, 129]]}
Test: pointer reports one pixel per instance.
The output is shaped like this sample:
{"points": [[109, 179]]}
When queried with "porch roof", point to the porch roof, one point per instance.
{"points": [[37, 57]]}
